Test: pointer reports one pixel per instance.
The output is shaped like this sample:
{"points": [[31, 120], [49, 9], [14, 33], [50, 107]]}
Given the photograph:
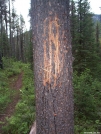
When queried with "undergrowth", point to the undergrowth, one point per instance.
{"points": [[87, 99], [87, 96], [10, 69], [4, 91], [21, 121]]}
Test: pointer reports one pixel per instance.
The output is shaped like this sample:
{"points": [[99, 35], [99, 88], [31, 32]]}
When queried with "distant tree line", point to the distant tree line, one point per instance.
{"points": [[15, 40]]}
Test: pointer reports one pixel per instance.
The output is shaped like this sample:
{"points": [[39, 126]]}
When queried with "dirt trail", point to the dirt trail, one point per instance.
{"points": [[16, 85]]}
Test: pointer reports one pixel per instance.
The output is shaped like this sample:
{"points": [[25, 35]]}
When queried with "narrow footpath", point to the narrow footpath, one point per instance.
{"points": [[8, 112]]}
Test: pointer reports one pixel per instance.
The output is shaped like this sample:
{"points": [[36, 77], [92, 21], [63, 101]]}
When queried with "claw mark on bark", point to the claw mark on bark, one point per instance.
{"points": [[51, 51]]}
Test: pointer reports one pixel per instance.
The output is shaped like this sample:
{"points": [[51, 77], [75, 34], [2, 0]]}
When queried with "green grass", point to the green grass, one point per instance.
{"points": [[11, 68], [5, 91], [21, 121]]}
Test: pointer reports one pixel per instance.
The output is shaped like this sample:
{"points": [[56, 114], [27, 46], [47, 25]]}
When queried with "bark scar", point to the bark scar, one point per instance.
{"points": [[51, 51]]}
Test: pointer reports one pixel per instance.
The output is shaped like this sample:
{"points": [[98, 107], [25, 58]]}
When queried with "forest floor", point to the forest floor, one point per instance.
{"points": [[15, 83]]}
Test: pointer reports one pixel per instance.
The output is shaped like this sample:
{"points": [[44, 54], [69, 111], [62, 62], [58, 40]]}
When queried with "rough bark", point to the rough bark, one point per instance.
{"points": [[52, 66]]}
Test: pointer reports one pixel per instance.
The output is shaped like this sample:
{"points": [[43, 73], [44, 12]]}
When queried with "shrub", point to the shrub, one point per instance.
{"points": [[21, 121], [87, 96]]}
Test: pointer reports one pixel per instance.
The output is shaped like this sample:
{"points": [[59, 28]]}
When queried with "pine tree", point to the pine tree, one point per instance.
{"points": [[84, 46], [97, 37], [74, 26], [3, 11], [22, 24], [52, 66]]}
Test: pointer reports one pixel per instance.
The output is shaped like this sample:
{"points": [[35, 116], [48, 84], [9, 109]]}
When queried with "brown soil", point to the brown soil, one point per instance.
{"points": [[15, 84]]}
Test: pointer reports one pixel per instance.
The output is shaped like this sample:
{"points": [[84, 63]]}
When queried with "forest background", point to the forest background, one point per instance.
{"points": [[16, 43]]}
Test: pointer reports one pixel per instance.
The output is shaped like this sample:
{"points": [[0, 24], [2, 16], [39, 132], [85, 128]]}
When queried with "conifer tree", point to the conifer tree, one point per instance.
{"points": [[52, 66], [84, 46]]}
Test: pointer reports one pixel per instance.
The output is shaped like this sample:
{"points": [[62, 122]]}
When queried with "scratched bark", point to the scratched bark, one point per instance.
{"points": [[52, 66]]}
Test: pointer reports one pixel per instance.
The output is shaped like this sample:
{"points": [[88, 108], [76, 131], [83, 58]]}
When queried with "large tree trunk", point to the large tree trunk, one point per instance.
{"points": [[52, 66]]}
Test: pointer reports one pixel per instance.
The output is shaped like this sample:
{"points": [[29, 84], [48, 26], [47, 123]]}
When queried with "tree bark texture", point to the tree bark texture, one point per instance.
{"points": [[52, 66]]}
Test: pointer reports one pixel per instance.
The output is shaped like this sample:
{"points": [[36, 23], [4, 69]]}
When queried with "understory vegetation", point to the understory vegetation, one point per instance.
{"points": [[10, 69], [87, 99], [87, 96], [20, 122], [4, 91]]}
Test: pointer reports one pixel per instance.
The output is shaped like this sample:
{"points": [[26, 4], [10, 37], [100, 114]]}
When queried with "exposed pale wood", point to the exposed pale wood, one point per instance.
{"points": [[33, 129]]}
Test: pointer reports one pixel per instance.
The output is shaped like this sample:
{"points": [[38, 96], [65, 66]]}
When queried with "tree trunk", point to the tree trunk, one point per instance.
{"points": [[52, 66], [10, 32]]}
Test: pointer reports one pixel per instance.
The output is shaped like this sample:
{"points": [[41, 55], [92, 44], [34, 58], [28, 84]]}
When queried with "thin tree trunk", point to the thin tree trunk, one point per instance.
{"points": [[1, 30], [52, 66], [10, 20], [21, 47], [6, 22]]}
